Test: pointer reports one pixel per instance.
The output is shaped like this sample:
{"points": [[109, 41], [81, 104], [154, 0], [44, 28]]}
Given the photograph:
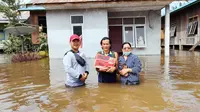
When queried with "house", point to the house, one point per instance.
{"points": [[4, 21], [184, 26], [135, 21]]}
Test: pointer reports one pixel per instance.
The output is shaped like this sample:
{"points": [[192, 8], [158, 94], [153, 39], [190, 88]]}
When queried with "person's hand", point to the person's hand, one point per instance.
{"points": [[126, 75], [124, 71], [103, 69], [111, 69], [84, 77]]}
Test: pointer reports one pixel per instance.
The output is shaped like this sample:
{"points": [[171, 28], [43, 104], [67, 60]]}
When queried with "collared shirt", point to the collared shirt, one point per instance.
{"points": [[73, 69], [133, 63]]}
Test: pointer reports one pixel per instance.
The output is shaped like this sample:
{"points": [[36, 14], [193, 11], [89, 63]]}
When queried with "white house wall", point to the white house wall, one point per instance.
{"points": [[95, 27]]}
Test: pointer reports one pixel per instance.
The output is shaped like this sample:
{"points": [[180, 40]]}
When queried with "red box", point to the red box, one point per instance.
{"points": [[102, 61]]}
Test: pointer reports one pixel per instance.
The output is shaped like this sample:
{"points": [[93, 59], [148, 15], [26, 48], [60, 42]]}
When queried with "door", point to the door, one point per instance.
{"points": [[115, 34]]}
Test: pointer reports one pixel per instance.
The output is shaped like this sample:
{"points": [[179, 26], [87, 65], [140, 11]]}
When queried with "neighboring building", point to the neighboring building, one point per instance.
{"points": [[184, 25], [138, 22], [4, 21]]}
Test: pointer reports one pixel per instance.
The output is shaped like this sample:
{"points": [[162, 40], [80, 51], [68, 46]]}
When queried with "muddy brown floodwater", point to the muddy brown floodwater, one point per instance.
{"points": [[168, 84]]}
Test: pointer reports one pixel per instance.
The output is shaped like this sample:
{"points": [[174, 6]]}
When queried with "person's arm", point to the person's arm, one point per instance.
{"points": [[120, 65], [112, 69], [116, 62], [137, 66], [86, 65], [67, 61]]}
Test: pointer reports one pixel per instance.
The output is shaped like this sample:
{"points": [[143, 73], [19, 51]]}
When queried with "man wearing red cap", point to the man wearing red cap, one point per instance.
{"points": [[76, 66]]}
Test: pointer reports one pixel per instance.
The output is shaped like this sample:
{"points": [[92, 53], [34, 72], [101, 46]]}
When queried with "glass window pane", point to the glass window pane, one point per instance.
{"points": [[128, 34], [113, 21], [140, 20], [140, 36], [76, 19], [128, 21], [77, 30], [2, 36]]}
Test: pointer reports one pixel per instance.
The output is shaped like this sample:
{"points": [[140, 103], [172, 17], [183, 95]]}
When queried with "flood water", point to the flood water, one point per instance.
{"points": [[167, 85]]}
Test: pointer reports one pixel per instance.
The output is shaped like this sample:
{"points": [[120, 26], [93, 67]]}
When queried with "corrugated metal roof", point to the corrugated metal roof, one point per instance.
{"points": [[186, 6], [24, 15], [76, 1], [31, 8]]}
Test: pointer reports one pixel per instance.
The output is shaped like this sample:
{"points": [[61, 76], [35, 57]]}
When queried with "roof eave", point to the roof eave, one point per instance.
{"points": [[91, 5]]}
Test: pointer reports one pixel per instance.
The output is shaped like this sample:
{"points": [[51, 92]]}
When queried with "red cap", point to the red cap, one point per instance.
{"points": [[74, 36]]}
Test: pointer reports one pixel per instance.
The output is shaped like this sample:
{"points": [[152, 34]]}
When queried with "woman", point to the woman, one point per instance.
{"points": [[107, 75], [129, 66]]}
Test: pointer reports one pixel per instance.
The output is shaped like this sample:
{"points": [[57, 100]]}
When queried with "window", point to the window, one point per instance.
{"points": [[128, 35], [192, 26], [77, 24], [2, 35], [127, 20], [140, 20], [115, 21], [140, 36], [173, 31], [76, 19], [42, 22], [134, 31], [77, 30]]}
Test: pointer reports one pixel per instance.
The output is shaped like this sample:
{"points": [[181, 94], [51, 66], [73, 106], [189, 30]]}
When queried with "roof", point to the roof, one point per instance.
{"points": [[79, 1], [135, 5], [24, 16], [31, 8], [186, 6]]}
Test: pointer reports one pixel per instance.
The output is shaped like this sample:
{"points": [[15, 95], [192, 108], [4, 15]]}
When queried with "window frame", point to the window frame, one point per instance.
{"points": [[192, 27], [76, 24], [173, 31], [4, 36], [145, 39], [134, 29], [123, 38]]}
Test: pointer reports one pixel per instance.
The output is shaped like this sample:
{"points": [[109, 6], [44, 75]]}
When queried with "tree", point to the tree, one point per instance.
{"points": [[10, 10]]}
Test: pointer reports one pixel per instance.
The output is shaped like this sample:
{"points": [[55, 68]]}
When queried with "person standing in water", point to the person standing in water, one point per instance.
{"points": [[129, 66], [109, 74], [75, 64]]}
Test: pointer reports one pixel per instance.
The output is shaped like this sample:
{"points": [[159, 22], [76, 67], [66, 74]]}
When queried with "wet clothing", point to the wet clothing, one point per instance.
{"points": [[106, 77], [133, 63], [74, 70]]}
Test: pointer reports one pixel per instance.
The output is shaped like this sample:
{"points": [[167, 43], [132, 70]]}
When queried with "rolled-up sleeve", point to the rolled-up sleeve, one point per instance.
{"points": [[67, 61], [120, 63], [136, 69]]}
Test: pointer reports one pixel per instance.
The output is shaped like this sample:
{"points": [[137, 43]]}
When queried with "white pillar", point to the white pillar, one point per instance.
{"points": [[167, 29]]}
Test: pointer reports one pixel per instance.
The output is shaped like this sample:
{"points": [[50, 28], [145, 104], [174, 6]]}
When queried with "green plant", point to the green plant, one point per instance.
{"points": [[12, 45], [10, 10], [28, 45], [43, 42]]}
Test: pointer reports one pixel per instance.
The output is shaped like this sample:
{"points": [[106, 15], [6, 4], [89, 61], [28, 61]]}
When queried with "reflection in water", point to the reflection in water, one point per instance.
{"points": [[168, 84]]}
